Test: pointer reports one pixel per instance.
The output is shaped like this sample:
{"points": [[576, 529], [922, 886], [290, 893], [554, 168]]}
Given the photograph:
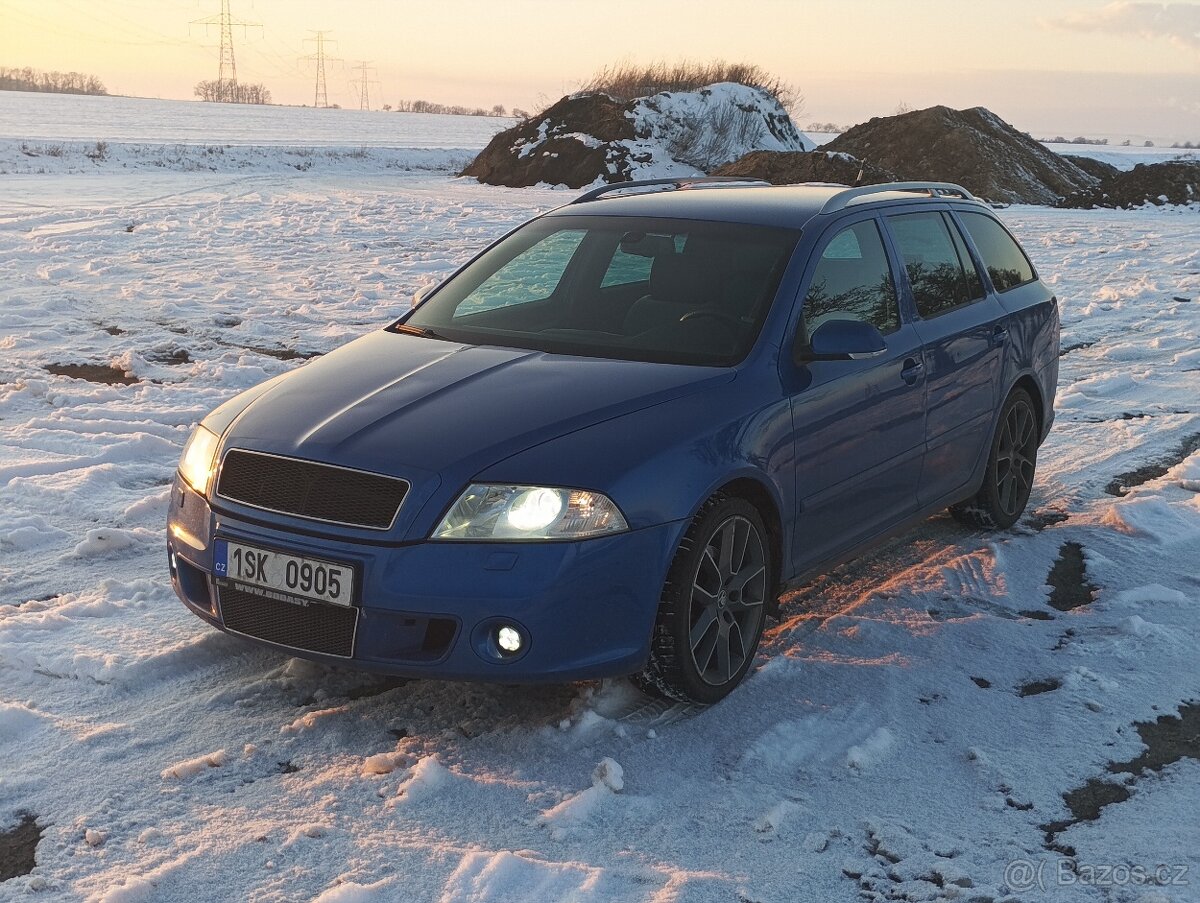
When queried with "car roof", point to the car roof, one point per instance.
{"points": [[756, 203]]}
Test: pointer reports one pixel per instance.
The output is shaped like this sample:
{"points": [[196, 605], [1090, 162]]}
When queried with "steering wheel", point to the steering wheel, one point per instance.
{"points": [[713, 315]]}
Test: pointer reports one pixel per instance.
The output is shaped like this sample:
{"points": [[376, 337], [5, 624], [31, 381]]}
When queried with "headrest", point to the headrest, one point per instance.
{"points": [[680, 278]]}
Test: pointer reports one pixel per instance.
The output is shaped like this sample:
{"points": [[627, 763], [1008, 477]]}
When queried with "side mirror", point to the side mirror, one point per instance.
{"points": [[841, 340], [422, 293]]}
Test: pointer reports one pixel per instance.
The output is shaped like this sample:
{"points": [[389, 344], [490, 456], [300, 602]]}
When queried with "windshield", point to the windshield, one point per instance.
{"points": [[667, 290]]}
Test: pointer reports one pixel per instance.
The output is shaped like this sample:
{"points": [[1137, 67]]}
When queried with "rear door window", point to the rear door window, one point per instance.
{"points": [[852, 281], [1005, 261], [940, 282]]}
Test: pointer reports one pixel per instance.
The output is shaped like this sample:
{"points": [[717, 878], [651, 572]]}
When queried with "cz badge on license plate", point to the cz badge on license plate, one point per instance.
{"points": [[299, 579]]}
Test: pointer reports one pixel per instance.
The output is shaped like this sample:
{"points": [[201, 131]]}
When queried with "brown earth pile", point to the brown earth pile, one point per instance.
{"points": [[1172, 182], [974, 148], [792, 167], [565, 156]]}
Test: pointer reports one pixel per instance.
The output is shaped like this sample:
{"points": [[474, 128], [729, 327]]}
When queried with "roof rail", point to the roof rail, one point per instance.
{"points": [[667, 185], [934, 189]]}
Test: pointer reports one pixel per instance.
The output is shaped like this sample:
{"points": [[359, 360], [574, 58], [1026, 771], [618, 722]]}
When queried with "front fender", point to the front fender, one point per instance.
{"points": [[661, 463]]}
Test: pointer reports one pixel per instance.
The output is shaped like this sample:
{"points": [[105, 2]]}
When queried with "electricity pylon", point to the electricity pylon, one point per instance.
{"points": [[227, 68], [320, 94], [363, 67]]}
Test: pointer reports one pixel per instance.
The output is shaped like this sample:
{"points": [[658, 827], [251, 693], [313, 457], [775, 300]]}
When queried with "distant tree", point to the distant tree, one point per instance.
{"points": [[28, 79], [518, 113], [901, 108], [387, 108], [226, 91], [1148, 144], [1126, 143], [498, 110]]}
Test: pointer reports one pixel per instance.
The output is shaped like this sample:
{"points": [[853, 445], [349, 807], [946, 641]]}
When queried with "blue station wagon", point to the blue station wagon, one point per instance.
{"points": [[606, 444]]}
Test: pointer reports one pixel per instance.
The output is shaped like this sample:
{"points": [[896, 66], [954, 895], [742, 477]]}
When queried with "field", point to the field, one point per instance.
{"points": [[958, 716]]}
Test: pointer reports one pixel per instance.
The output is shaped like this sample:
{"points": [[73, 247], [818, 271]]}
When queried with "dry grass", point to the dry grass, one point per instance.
{"points": [[627, 80]]}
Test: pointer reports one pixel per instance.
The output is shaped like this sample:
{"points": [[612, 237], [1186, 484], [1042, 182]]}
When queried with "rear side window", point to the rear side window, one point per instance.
{"points": [[852, 281], [939, 280], [1005, 261]]}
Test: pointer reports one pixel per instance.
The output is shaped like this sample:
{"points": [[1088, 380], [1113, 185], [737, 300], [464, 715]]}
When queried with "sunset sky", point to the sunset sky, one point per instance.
{"points": [[1125, 69]]}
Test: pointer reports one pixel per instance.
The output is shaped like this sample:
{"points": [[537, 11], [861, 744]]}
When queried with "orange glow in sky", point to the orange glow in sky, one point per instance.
{"points": [[1062, 66]]}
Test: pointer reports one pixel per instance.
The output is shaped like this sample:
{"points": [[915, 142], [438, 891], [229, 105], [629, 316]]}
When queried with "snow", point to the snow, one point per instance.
{"points": [[880, 748], [684, 133], [1121, 157]]}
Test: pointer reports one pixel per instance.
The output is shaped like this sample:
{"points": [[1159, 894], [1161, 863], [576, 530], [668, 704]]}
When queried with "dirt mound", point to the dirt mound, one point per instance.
{"points": [[974, 148], [1093, 167], [791, 167], [590, 136], [546, 148], [1170, 182]]}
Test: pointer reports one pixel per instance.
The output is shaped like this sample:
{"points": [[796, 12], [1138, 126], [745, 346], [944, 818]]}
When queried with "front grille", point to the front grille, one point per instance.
{"points": [[328, 629], [321, 492]]}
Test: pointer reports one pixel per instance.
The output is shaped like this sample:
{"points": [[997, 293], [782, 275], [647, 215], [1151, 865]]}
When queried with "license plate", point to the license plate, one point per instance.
{"points": [[279, 575]]}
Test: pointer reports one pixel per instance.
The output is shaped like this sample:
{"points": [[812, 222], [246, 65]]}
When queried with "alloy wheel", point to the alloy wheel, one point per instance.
{"points": [[727, 596]]}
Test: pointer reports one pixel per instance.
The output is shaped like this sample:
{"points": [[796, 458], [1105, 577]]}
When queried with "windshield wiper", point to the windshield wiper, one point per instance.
{"points": [[418, 330]]}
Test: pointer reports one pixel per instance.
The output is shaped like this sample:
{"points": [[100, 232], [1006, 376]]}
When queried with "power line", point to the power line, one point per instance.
{"points": [[363, 67], [320, 94]]}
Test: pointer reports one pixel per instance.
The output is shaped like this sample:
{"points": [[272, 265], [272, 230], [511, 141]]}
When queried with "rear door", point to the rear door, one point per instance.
{"points": [[963, 331], [858, 425]]}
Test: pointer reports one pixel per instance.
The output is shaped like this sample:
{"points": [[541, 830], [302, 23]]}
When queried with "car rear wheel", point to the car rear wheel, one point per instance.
{"points": [[1008, 479], [711, 612]]}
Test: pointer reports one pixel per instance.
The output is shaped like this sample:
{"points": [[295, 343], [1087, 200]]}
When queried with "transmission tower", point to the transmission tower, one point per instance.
{"points": [[227, 68], [363, 68], [320, 94]]}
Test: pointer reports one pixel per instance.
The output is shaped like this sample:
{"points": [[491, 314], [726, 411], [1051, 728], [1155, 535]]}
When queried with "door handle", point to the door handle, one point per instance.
{"points": [[912, 370], [999, 334]]}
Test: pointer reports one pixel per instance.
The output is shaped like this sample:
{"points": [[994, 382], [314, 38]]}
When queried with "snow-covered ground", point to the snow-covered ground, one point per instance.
{"points": [[1125, 158], [909, 732], [48, 118]]}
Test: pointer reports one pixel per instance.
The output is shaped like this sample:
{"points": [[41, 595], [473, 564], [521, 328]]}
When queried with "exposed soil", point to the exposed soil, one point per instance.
{"points": [[18, 848], [173, 357], [1169, 182], [1078, 346], [283, 354], [1068, 579], [558, 160], [1094, 167], [974, 148], [1040, 520], [1122, 483], [1037, 687], [1168, 739], [792, 167], [96, 373]]}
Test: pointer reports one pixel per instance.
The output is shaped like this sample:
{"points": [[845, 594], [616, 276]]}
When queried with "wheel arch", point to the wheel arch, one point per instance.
{"points": [[1030, 385], [757, 494]]}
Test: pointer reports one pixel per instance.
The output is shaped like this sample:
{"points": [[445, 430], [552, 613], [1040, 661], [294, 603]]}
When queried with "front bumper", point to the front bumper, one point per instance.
{"points": [[586, 608]]}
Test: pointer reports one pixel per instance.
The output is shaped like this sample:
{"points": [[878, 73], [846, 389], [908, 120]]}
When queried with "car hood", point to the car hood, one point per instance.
{"points": [[412, 406]]}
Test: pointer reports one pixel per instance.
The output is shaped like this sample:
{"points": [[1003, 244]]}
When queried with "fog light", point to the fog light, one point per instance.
{"points": [[509, 640]]}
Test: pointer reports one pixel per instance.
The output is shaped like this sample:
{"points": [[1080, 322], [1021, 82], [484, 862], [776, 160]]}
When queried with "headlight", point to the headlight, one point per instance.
{"points": [[199, 455], [529, 512]]}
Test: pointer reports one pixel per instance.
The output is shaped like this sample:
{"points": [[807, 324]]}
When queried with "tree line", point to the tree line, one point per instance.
{"points": [[28, 79], [226, 91], [428, 106]]}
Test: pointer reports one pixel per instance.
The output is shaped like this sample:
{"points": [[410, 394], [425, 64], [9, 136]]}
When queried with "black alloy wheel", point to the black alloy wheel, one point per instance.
{"points": [[1012, 463], [713, 605]]}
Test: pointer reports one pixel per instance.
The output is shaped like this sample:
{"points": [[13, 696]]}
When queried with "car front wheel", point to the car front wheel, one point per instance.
{"points": [[711, 612]]}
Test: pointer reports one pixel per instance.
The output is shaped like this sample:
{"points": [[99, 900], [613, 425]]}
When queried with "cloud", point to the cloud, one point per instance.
{"points": [[1178, 23]]}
